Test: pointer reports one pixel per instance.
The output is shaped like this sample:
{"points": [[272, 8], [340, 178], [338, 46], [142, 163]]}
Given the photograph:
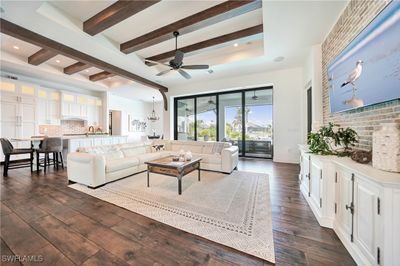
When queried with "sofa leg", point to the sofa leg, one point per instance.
{"points": [[235, 168], [71, 182]]}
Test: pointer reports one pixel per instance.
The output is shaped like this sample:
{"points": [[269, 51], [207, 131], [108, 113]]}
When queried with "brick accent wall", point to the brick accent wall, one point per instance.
{"points": [[356, 16]]}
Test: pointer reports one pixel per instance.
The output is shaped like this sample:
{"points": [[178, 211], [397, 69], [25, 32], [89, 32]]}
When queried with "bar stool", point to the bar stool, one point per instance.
{"points": [[8, 150], [49, 146]]}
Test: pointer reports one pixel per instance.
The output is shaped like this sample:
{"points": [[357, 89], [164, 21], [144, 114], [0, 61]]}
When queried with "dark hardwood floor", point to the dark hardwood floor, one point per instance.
{"points": [[40, 215]]}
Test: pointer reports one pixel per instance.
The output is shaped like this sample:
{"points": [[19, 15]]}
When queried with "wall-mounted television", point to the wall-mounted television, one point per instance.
{"points": [[367, 71]]}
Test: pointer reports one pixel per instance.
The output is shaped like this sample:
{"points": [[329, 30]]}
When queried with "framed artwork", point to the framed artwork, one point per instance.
{"points": [[136, 124], [367, 71]]}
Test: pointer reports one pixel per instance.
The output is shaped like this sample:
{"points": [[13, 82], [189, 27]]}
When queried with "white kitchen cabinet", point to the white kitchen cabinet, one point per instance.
{"points": [[82, 101], [80, 106], [93, 111], [48, 107], [70, 108], [18, 112]]}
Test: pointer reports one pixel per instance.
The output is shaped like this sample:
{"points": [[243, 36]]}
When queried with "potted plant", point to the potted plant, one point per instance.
{"points": [[332, 140]]}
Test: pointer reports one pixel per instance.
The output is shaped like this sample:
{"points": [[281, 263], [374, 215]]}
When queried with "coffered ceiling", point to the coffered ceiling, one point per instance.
{"points": [[289, 29]]}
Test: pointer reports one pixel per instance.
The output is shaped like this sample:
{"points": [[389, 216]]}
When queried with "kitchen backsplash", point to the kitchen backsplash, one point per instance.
{"points": [[66, 127]]}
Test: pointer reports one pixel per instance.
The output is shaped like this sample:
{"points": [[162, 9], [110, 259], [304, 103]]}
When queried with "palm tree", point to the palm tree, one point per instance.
{"points": [[237, 121]]}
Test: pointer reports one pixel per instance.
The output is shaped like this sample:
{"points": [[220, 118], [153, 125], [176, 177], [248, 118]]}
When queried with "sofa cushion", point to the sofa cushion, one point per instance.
{"points": [[133, 151], [218, 147], [176, 147], [166, 153], [194, 148], [108, 151], [148, 157], [208, 148], [209, 158], [120, 164]]}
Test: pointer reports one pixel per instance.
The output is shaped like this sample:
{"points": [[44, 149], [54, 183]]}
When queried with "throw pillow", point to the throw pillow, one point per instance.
{"points": [[217, 147], [157, 147]]}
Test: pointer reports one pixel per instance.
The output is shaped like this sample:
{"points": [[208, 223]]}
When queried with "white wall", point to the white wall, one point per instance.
{"points": [[287, 107], [138, 109], [313, 78]]}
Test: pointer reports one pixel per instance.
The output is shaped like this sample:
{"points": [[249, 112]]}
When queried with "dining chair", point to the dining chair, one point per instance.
{"points": [[8, 151], [53, 146]]}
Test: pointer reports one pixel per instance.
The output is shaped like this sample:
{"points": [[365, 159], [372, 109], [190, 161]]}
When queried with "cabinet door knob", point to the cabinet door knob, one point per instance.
{"points": [[351, 207]]}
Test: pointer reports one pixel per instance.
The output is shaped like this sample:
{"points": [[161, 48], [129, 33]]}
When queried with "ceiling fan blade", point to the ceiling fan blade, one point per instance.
{"points": [[155, 62], [164, 72], [195, 67], [184, 74], [178, 57]]}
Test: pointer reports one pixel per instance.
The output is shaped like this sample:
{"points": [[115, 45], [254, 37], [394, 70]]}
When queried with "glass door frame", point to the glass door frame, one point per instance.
{"points": [[243, 105]]}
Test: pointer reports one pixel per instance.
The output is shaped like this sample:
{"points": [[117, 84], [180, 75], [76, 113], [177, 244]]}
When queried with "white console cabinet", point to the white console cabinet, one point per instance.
{"points": [[316, 182], [361, 204]]}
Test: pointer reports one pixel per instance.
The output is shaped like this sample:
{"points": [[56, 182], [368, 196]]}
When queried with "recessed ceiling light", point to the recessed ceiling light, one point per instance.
{"points": [[58, 61], [16, 47], [279, 59], [236, 44], [87, 70]]}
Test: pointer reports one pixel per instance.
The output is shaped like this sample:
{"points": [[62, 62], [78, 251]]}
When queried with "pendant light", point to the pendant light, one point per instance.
{"points": [[255, 97], [211, 102], [153, 117]]}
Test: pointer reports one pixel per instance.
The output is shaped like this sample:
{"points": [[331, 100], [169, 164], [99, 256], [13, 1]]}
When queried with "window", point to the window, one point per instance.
{"points": [[242, 117]]}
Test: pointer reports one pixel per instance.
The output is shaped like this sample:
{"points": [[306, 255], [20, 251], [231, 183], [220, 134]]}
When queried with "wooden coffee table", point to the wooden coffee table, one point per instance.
{"points": [[166, 166]]}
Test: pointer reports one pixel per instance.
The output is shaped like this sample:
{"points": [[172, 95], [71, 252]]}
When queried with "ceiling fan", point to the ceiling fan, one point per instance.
{"points": [[177, 63]]}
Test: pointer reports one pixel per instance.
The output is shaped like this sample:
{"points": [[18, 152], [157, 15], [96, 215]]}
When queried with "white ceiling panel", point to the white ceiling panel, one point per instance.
{"points": [[82, 10]]}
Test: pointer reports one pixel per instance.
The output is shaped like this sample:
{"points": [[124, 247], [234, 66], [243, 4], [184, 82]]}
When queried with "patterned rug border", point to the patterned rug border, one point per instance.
{"points": [[245, 228]]}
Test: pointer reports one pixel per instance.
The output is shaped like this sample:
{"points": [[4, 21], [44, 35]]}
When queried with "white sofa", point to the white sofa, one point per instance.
{"points": [[98, 165]]}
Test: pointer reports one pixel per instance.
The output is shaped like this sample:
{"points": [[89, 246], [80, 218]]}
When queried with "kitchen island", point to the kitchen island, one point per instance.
{"points": [[70, 143]]}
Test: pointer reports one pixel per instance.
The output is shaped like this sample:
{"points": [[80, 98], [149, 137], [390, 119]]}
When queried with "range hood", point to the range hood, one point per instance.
{"points": [[73, 118]]}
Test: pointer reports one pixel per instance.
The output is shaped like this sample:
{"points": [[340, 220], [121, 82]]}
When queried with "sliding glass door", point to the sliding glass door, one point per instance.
{"points": [[185, 122], [206, 118], [242, 117], [230, 119], [258, 121]]}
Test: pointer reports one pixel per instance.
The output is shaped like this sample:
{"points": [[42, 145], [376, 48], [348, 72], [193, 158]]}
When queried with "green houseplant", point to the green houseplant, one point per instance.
{"points": [[332, 140]]}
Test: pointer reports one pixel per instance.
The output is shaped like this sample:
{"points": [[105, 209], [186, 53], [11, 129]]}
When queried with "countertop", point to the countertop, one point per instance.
{"points": [[66, 137], [377, 175]]}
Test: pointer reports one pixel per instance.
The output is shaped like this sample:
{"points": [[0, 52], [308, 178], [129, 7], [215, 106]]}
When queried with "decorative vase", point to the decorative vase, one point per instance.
{"points": [[181, 155], [386, 147], [188, 156]]}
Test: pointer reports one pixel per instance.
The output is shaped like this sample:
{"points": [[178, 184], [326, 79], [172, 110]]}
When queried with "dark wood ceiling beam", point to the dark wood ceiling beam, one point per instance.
{"points": [[21, 33], [190, 49], [210, 16], [101, 76], [41, 56], [165, 100], [114, 14], [75, 68]]}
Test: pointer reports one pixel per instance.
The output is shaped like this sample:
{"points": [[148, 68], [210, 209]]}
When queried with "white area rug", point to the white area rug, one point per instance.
{"points": [[233, 210]]}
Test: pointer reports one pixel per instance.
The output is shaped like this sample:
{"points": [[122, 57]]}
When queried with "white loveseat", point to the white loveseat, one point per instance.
{"points": [[98, 165]]}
